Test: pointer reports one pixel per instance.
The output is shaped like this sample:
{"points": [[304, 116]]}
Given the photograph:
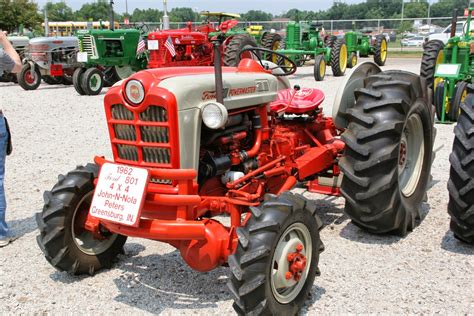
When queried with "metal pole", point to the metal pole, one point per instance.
{"points": [[429, 13], [166, 18], [46, 22], [126, 7]]}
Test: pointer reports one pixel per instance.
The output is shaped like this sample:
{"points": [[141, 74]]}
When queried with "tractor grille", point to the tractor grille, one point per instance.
{"points": [[142, 137], [88, 46]]}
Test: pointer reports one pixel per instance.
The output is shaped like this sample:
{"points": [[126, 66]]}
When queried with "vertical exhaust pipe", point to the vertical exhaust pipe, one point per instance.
{"points": [[217, 42], [454, 21], [112, 18]]}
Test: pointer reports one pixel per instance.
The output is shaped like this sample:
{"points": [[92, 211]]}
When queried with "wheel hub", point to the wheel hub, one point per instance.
{"points": [[402, 160], [297, 264], [30, 78], [291, 262]]}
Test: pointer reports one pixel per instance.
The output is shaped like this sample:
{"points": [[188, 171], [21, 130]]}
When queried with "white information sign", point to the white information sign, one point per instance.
{"points": [[153, 45], [447, 70], [81, 57], [119, 194]]}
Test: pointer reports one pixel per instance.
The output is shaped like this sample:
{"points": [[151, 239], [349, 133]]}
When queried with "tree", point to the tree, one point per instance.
{"points": [[14, 13], [182, 15], [256, 15], [59, 11], [148, 15], [95, 11]]}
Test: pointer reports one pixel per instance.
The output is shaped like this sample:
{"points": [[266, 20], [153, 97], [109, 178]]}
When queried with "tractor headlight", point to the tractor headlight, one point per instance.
{"points": [[214, 115], [135, 92]]}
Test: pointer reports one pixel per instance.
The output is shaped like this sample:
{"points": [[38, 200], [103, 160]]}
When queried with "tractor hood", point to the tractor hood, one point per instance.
{"points": [[241, 89], [55, 42], [18, 41]]}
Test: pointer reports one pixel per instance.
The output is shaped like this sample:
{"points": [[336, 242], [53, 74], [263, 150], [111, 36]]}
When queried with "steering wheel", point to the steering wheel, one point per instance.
{"points": [[143, 28], [288, 66]]}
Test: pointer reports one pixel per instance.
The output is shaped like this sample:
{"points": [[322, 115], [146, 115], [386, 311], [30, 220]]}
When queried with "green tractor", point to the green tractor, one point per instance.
{"points": [[359, 44], [107, 56], [303, 41], [449, 69]]}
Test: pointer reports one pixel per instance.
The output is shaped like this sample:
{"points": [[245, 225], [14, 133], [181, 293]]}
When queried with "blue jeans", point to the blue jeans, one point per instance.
{"points": [[3, 154]]}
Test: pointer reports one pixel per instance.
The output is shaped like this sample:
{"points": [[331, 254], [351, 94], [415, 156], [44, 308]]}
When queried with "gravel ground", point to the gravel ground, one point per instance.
{"points": [[55, 129]]}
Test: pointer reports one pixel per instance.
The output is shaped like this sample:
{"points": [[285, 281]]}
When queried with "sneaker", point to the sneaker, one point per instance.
{"points": [[4, 241]]}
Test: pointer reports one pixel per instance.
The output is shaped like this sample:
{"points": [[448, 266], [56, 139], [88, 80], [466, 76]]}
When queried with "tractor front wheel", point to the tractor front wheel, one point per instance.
{"points": [[319, 68], [92, 81], [77, 79], [381, 50], [67, 79], [388, 154], [339, 58], [63, 239], [29, 79], [277, 256], [460, 93], [461, 176], [352, 62]]}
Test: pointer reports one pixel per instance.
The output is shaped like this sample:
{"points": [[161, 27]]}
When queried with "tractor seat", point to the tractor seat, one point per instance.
{"points": [[301, 101]]}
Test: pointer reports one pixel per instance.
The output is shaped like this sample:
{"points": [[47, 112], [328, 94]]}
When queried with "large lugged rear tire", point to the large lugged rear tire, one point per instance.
{"points": [[63, 240], [235, 46], [260, 264], [461, 176], [388, 154], [271, 41], [432, 56], [339, 58]]}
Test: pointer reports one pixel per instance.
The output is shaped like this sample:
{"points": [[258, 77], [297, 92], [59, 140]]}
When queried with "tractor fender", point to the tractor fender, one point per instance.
{"points": [[345, 98]]}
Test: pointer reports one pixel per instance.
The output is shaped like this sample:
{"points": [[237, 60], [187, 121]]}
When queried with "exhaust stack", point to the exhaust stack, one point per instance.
{"points": [[112, 18]]}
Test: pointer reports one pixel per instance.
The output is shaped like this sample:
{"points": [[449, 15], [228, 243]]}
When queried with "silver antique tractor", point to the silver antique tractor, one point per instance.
{"points": [[20, 44], [52, 59], [193, 143]]}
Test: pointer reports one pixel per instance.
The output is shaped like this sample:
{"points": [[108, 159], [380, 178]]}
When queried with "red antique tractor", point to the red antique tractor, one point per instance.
{"points": [[192, 46], [193, 143]]}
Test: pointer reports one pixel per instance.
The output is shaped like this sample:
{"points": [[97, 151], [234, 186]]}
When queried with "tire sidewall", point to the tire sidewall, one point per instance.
{"points": [[77, 79], [22, 79], [317, 62], [86, 79]]}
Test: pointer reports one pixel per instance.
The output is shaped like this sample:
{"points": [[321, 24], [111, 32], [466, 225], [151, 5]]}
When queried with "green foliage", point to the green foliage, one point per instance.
{"points": [[98, 10], [14, 13], [183, 15], [148, 15], [59, 12], [256, 15]]}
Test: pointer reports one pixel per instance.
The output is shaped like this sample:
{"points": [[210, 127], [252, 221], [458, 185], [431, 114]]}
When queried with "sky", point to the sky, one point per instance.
{"points": [[237, 6]]}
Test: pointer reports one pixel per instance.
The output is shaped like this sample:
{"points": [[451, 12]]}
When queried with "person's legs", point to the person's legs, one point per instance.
{"points": [[3, 202]]}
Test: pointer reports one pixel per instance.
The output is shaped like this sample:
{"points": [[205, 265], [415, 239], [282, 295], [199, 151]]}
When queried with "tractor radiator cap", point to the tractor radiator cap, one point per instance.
{"points": [[345, 95]]}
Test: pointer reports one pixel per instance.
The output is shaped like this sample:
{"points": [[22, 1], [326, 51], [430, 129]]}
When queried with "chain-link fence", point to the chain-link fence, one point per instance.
{"points": [[395, 29]]}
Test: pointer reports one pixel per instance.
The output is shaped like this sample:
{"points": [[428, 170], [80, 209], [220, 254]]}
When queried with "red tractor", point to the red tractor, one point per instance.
{"points": [[192, 46], [193, 143]]}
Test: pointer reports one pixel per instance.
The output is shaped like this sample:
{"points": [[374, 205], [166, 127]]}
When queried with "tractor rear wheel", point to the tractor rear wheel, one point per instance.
{"points": [[319, 67], [110, 77], [461, 176], [339, 58], [381, 50], [63, 239], [236, 44], [271, 41], [330, 40], [388, 154], [29, 79], [433, 54], [77, 79], [277, 256], [352, 62], [51, 80], [92, 81]]}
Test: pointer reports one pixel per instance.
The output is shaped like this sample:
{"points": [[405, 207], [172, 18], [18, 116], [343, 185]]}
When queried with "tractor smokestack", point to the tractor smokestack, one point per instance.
{"points": [[454, 21], [218, 68], [112, 18]]}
